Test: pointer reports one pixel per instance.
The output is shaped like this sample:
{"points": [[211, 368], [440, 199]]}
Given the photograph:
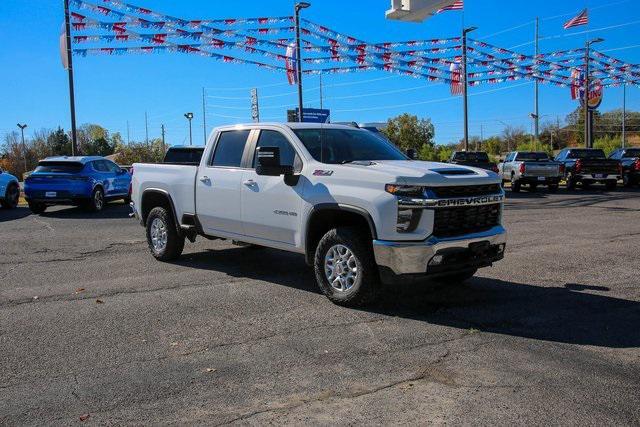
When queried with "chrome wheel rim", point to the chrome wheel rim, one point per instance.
{"points": [[158, 235], [97, 199], [341, 268]]}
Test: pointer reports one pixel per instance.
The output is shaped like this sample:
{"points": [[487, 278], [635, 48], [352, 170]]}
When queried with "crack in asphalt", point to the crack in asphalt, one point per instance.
{"points": [[80, 256]]}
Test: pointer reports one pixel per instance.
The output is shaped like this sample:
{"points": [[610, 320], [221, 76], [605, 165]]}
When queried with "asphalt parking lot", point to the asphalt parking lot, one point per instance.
{"points": [[92, 328]]}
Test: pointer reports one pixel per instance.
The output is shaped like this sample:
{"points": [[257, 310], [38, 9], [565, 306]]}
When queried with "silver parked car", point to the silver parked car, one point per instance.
{"points": [[530, 168]]}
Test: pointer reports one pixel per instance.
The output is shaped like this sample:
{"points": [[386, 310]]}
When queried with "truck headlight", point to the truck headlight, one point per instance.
{"points": [[404, 190]]}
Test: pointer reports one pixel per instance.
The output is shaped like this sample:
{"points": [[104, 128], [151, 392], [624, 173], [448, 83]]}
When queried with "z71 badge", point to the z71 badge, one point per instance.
{"points": [[321, 172]]}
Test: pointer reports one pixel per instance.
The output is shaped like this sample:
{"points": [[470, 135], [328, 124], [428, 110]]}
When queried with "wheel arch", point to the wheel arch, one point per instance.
{"points": [[153, 198], [326, 216]]}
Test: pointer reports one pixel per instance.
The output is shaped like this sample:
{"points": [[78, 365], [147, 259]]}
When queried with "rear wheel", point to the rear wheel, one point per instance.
{"points": [[515, 184], [345, 268], [11, 197], [571, 183], [162, 237], [37, 207], [96, 203], [626, 180]]}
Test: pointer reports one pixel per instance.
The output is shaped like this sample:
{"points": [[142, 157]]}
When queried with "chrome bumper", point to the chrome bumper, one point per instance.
{"points": [[592, 177], [414, 257]]}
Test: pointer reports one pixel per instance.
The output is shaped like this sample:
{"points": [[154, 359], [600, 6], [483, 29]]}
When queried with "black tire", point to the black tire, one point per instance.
{"points": [[458, 277], [37, 208], [11, 197], [365, 286], [553, 188], [627, 181], [586, 184], [515, 184], [97, 201], [571, 183], [174, 245], [611, 185]]}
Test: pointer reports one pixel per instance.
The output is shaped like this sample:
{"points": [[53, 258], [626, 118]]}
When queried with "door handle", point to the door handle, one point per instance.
{"points": [[249, 183], [205, 180]]}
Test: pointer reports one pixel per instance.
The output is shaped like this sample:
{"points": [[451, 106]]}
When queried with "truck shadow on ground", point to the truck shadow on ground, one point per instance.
{"points": [[571, 313]]}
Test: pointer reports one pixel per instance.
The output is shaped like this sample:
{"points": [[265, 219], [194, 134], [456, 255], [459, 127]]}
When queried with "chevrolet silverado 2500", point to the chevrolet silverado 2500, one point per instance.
{"points": [[530, 168], [359, 210]]}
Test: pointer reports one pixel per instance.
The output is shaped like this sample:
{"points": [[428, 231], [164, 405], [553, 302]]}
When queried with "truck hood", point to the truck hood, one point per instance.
{"points": [[412, 172]]}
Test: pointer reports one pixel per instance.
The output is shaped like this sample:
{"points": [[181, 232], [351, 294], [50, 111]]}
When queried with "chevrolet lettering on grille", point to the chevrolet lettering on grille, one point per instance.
{"points": [[470, 201]]}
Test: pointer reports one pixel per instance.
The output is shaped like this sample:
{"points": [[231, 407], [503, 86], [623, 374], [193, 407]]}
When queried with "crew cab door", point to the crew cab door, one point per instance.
{"points": [[271, 209], [218, 183]]}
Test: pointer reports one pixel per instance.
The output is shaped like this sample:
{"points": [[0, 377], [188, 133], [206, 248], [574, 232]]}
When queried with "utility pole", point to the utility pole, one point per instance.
{"points": [[465, 86], [587, 114], [189, 117], [481, 136], [146, 130], [535, 102], [298, 7], [164, 147], [24, 148], [72, 99], [204, 117], [624, 115]]}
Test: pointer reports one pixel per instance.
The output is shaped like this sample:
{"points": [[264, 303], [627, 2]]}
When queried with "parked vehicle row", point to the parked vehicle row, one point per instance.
{"points": [[88, 181], [476, 159], [588, 166], [360, 210]]}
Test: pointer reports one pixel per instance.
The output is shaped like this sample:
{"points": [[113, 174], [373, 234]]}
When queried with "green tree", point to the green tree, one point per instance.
{"points": [[407, 131], [608, 143], [59, 143]]}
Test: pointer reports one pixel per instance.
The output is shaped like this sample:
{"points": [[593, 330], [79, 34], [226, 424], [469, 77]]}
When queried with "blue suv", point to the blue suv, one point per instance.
{"points": [[9, 190], [81, 181]]}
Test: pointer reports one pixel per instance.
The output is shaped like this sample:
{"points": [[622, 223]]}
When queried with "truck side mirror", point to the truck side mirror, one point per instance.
{"points": [[269, 162], [412, 153]]}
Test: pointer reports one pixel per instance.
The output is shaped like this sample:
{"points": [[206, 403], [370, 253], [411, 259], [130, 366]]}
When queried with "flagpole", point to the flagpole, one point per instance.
{"points": [[624, 114], [465, 86], [535, 104], [72, 101]]}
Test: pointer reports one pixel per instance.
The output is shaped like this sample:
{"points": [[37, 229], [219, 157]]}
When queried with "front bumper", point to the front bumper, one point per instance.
{"points": [[457, 253]]}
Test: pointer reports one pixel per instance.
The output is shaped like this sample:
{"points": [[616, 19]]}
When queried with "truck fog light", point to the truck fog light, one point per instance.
{"points": [[437, 260], [408, 220]]}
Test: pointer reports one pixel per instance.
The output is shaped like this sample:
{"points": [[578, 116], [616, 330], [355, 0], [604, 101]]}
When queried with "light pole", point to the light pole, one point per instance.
{"points": [[189, 116], [24, 148], [465, 87], [587, 116], [534, 135], [299, 6]]}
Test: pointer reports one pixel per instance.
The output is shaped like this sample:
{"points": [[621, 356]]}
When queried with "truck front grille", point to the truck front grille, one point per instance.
{"points": [[465, 190], [457, 221]]}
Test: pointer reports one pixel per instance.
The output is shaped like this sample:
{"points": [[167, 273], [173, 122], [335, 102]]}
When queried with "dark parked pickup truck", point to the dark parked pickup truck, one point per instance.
{"points": [[476, 159], [630, 159], [588, 166]]}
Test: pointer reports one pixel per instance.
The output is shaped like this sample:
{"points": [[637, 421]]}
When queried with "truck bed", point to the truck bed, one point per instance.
{"points": [[177, 180]]}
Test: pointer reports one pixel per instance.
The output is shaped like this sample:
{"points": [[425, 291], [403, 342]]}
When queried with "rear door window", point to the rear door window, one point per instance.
{"points": [[184, 155], [230, 148], [100, 166]]}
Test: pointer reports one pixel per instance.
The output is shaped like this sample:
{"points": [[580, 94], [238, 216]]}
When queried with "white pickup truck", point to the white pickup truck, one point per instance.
{"points": [[358, 209]]}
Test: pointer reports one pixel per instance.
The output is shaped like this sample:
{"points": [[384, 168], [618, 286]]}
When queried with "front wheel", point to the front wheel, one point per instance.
{"points": [[345, 268], [162, 237], [11, 197]]}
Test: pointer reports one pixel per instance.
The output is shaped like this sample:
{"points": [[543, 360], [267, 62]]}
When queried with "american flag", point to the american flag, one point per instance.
{"points": [[581, 19], [457, 5], [456, 79]]}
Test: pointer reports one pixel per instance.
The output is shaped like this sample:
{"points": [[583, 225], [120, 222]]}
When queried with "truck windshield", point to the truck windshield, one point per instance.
{"points": [[335, 146], [532, 156], [62, 167], [468, 156], [587, 154]]}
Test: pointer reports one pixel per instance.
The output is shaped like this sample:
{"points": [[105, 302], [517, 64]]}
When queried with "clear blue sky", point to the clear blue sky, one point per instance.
{"points": [[112, 90]]}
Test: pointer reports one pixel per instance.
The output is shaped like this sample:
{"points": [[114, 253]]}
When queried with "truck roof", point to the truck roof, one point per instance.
{"points": [[290, 125]]}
